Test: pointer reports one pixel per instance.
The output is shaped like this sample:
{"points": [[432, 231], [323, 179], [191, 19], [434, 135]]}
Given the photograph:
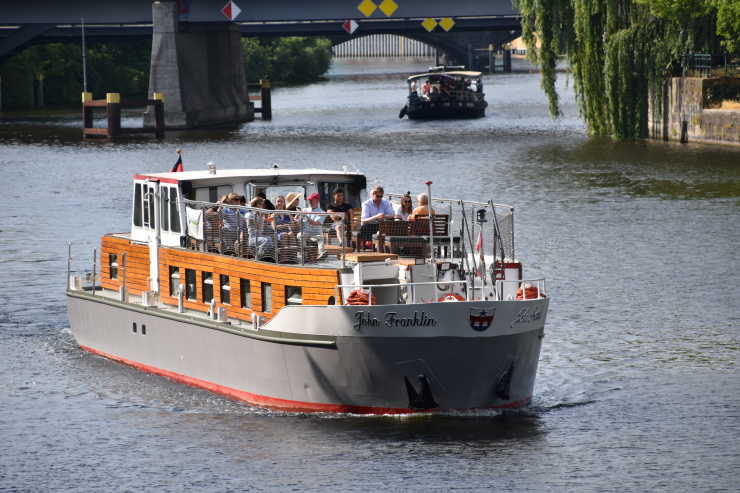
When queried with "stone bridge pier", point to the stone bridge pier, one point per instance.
{"points": [[200, 70]]}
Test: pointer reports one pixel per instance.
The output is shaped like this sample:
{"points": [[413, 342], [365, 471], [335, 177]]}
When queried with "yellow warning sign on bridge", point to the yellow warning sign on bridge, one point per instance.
{"points": [[367, 7], [429, 24], [388, 7], [446, 23]]}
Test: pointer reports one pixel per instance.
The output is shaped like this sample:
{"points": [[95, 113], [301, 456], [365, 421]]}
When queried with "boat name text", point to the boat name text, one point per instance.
{"points": [[391, 319], [526, 316]]}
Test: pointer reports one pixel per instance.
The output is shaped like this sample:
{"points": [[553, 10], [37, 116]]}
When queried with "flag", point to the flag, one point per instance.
{"points": [[178, 165], [480, 270]]}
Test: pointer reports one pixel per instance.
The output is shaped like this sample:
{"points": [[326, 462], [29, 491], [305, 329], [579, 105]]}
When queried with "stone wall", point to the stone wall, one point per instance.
{"points": [[684, 114]]}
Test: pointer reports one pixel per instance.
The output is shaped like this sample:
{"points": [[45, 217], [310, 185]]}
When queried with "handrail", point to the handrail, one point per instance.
{"points": [[370, 287]]}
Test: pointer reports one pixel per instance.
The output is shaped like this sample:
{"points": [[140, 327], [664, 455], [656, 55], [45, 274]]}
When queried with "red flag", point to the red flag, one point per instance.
{"points": [[481, 268], [178, 165], [479, 243]]}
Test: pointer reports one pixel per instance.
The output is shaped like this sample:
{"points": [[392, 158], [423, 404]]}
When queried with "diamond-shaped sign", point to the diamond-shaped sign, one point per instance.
{"points": [[429, 24], [446, 23], [388, 7], [350, 26], [367, 7], [231, 10]]}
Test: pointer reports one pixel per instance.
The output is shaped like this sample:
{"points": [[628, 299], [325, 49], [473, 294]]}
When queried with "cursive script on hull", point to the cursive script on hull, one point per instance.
{"points": [[392, 319]]}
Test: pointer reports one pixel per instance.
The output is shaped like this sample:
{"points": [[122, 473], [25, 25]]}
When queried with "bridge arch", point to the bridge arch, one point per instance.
{"points": [[381, 45]]}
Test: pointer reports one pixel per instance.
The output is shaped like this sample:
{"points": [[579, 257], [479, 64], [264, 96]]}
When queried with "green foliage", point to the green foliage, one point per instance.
{"points": [[621, 51], [111, 67], [289, 60], [728, 24]]}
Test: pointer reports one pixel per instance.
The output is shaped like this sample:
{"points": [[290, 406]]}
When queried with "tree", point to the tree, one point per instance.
{"points": [[621, 51]]}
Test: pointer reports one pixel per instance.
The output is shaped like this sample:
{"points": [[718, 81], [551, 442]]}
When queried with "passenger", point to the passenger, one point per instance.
{"points": [[283, 223], [342, 219], [229, 215], [374, 210], [314, 229], [404, 209], [426, 89], [291, 201], [423, 208], [260, 236], [261, 194], [412, 87], [377, 208]]}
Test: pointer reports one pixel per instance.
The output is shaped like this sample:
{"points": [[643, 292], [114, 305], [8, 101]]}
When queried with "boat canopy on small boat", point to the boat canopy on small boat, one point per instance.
{"points": [[442, 93], [227, 283]]}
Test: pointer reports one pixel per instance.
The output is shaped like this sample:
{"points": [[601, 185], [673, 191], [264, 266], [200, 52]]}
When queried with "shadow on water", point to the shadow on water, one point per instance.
{"points": [[641, 168]]}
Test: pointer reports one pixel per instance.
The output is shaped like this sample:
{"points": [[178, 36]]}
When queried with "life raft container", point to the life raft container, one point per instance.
{"points": [[451, 297]]}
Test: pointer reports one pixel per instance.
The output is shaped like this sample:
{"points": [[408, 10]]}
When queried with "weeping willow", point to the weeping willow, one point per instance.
{"points": [[620, 52]]}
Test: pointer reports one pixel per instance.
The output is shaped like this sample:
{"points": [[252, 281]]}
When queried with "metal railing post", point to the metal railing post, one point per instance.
{"points": [[94, 264]]}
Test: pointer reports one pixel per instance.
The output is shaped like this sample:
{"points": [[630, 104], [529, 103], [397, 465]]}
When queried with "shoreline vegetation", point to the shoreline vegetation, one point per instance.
{"points": [[124, 68]]}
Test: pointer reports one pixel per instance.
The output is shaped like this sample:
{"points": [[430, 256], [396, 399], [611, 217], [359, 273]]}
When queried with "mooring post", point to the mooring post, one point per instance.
{"points": [[113, 106], [158, 98], [507, 61], [39, 98], [491, 59], [87, 113], [266, 99]]}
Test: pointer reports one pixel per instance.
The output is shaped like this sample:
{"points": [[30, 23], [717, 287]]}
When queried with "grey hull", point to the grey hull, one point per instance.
{"points": [[330, 365]]}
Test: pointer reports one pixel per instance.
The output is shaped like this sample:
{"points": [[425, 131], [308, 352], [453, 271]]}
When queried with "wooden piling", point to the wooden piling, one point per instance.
{"points": [[266, 99], [112, 104], [158, 102]]}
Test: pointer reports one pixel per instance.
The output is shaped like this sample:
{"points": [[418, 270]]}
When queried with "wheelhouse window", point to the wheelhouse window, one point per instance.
{"points": [[174, 280], [293, 295], [113, 265], [190, 292], [137, 205], [164, 206], [245, 293], [266, 297], [207, 287], [225, 289], [174, 213]]}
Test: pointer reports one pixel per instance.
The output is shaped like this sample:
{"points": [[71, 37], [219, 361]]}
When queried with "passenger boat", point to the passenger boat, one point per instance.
{"points": [[445, 93], [431, 315]]}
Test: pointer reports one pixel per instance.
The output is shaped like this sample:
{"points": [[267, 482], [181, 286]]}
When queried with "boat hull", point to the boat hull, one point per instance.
{"points": [[432, 111], [352, 366]]}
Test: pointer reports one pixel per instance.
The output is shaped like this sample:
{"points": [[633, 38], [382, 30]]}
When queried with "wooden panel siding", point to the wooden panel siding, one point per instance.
{"points": [[316, 284], [137, 264]]}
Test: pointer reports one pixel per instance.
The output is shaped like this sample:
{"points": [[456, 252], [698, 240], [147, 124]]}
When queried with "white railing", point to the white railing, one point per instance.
{"points": [[411, 289], [526, 289]]}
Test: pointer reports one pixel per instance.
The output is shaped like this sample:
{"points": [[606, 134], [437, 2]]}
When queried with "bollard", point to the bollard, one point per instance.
{"points": [[113, 103], [158, 98], [507, 61], [266, 100]]}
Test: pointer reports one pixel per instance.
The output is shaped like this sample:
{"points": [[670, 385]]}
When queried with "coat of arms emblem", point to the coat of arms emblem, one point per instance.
{"points": [[480, 318]]}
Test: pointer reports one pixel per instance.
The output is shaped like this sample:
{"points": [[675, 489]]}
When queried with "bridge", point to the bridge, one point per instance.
{"points": [[194, 37]]}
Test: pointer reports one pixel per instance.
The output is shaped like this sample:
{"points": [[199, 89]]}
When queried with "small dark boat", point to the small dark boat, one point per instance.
{"points": [[442, 93]]}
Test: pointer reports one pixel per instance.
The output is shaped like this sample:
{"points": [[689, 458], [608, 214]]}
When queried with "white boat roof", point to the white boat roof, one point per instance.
{"points": [[454, 73], [247, 174]]}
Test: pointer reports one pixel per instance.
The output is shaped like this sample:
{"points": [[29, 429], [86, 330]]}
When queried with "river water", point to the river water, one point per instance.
{"points": [[638, 386]]}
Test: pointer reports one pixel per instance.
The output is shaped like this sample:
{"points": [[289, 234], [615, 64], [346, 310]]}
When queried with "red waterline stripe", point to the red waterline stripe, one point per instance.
{"points": [[272, 402]]}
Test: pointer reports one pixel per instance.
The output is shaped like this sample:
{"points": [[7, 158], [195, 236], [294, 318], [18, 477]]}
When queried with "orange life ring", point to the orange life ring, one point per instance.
{"points": [[451, 297]]}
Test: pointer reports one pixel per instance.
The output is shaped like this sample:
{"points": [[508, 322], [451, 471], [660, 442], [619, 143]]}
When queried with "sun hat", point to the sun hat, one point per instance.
{"points": [[314, 196], [291, 198]]}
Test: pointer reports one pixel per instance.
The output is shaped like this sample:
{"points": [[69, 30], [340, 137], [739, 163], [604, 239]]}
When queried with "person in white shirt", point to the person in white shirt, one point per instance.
{"points": [[374, 210]]}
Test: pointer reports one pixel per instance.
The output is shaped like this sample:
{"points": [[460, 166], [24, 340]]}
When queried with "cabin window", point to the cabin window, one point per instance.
{"points": [[266, 297], [137, 205], [113, 265], [293, 295], [245, 293], [150, 199], [225, 289], [174, 280], [190, 284], [207, 287], [164, 214], [174, 214]]}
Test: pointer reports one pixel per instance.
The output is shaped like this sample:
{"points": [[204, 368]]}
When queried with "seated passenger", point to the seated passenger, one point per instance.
{"points": [[423, 208], [404, 209], [261, 237], [313, 223], [374, 210], [426, 89], [342, 218]]}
